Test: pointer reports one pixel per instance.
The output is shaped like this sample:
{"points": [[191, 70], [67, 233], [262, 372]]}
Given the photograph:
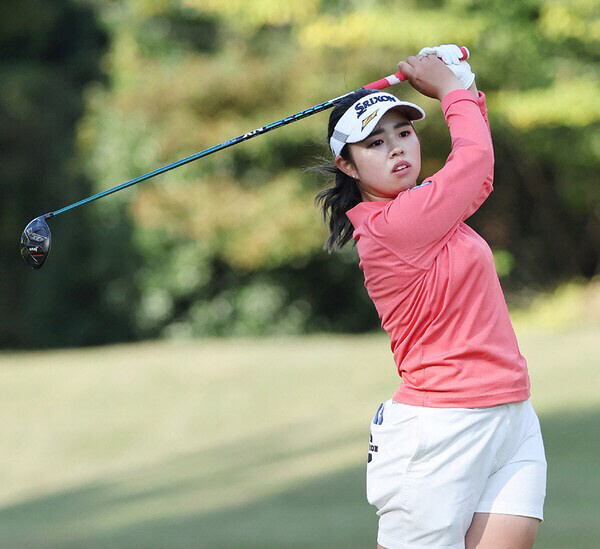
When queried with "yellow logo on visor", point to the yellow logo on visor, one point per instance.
{"points": [[368, 119]]}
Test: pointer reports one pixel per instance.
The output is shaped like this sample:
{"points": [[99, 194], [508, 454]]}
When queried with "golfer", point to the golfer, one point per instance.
{"points": [[456, 457]]}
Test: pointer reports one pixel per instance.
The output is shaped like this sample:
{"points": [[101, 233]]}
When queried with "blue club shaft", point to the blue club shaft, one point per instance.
{"points": [[302, 114]]}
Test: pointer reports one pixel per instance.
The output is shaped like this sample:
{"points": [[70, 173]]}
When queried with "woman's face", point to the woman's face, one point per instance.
{"points": [[388, 161]]}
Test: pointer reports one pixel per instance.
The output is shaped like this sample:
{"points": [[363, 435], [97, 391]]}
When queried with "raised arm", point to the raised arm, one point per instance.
{"points": [[418, 222], [488, 184], [463, 72]]}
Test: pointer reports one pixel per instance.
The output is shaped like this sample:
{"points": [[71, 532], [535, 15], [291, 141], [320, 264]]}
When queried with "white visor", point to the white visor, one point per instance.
{"points": [[360, 119]]}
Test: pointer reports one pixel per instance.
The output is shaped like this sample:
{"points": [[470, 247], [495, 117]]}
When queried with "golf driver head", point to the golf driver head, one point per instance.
{"points": [[35, 242]]}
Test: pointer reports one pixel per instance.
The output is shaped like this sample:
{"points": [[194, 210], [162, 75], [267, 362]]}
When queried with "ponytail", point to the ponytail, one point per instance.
{"points": [[335, 201]]}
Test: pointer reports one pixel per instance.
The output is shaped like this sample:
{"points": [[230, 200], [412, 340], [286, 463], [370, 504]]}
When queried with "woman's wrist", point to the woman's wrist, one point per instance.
{"points": [[443, 92], [473, 89]]}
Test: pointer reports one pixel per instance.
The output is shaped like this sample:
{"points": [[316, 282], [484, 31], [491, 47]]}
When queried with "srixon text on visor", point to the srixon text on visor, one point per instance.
{"points": [[364, 105]]}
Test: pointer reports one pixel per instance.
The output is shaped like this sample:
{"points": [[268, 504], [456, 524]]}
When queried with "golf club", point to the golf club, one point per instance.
{"points": [[36, 239]]}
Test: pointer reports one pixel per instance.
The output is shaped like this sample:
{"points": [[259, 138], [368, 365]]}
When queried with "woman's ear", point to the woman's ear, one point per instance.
{"points": [[347, 166]]}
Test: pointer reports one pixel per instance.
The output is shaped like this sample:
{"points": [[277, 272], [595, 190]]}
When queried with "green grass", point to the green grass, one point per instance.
{"points": [[254, 444]]}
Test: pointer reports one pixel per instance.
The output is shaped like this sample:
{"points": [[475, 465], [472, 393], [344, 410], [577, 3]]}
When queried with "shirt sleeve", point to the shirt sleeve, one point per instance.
{"points": [[488, 184], [418, 222]]}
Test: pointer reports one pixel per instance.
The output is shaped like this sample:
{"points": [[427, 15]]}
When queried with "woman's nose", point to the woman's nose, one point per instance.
{"points": [[396, 147]]}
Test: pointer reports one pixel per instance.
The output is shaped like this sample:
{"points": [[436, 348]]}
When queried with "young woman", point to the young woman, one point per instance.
{"points": [[456, 457]]}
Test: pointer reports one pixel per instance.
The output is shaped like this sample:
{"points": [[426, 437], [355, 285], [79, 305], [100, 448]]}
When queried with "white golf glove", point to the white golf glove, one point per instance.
{"points": [[448, 53], [451, 54]]}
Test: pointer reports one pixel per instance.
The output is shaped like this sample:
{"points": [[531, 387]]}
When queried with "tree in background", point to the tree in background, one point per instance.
{"points": [[49, 52], [232, 244]]}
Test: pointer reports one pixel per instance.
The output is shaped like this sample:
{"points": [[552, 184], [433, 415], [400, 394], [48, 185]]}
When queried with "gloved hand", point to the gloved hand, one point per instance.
{"points": [[451, 54], [448, 53], [463, 72]]}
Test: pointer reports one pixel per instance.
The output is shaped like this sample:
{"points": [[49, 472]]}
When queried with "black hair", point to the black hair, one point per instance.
{"points": [[335, 201]]}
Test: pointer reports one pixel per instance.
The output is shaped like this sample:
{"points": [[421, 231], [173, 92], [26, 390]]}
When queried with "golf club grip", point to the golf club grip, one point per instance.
{"points": [[398, 77]]}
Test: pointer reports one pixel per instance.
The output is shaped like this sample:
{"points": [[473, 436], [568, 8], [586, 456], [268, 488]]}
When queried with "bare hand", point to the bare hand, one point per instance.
{"points": [[430, 76]]}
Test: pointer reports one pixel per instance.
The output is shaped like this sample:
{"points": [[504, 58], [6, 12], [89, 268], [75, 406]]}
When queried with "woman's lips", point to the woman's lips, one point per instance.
{"points": [[401, 167]]}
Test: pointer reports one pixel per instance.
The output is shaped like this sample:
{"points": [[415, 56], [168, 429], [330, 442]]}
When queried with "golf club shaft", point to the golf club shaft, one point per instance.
{"points": [[201, 154], [376, 85]]}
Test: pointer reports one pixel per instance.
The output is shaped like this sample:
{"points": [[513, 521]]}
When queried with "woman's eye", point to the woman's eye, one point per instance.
{"points": [[405, 133], [376, 143]]}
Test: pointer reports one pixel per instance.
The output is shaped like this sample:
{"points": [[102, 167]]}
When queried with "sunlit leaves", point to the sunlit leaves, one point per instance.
{"points": [[574, 19], [265, 226], [567, 103], [403, 29], [257, 12]]}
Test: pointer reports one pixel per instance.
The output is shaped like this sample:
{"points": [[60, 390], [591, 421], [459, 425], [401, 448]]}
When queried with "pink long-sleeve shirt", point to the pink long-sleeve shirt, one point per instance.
{"points": [[433, 281]]}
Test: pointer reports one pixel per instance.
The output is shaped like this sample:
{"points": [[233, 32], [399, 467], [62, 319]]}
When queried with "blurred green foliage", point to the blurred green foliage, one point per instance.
{"points": [[232, 244], [49, 52]]}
